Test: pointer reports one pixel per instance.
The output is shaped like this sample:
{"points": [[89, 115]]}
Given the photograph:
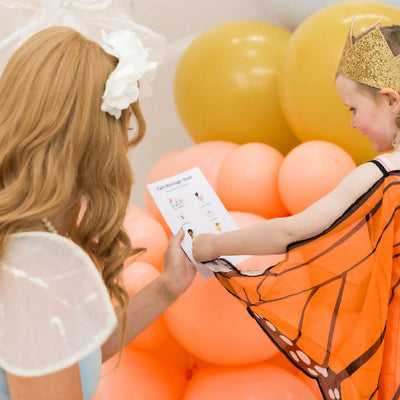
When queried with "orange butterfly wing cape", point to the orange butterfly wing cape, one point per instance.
{"points": [[333, 306]]}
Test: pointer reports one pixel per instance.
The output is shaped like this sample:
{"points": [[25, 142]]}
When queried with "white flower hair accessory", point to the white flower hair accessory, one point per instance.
{"points": [[122, 88]]}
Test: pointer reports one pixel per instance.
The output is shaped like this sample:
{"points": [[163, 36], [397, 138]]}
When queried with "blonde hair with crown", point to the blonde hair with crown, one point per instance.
{"points": [[60, 152], [372, 60]]}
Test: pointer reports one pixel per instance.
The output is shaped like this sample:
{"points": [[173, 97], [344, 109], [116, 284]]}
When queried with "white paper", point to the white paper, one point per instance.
{"points": [[188, 201]]}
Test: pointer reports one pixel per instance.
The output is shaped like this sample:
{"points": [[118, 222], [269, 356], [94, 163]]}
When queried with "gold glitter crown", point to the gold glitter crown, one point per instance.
{"points": [[370, 60]]}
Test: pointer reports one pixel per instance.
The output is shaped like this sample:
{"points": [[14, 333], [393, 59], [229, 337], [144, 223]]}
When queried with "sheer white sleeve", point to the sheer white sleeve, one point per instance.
{"points": [[54, 306]]}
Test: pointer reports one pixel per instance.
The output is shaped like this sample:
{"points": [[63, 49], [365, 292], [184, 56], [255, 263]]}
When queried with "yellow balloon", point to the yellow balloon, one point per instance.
{"points": [[226, 85], [307, 89]]}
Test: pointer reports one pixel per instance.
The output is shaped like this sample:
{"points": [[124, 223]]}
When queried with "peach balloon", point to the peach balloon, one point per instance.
{"points": [[242, 220], [207, 156], [148, 233], [175, 354], [310, 171], [157, 172], [248, 180], [261, 382], [172, 351], [159, 169], [140, 375], [134, 211], [136, 276], [210, 324]]}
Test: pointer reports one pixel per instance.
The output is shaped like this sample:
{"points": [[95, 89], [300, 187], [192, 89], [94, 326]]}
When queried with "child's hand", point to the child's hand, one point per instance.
{"points": [[178, 272], [203, 247]]}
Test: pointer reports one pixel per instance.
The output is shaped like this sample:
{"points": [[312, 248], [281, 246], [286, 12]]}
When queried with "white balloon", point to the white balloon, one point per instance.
{"points": [[289, 14]]}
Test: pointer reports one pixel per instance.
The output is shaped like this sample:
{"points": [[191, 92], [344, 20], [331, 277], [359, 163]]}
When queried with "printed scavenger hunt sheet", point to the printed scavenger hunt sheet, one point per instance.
{"points": [[188, 201]]}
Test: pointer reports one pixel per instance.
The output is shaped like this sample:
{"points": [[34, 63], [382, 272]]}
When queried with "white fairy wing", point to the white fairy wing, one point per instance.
{"points": [[54, 306]]}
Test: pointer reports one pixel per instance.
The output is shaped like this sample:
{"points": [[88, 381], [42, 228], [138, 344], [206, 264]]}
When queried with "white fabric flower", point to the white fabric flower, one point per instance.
{"points": [[122, 85]]}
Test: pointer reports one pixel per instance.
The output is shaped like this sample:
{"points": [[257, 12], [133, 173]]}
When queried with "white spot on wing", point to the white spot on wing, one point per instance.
{"points": [[312, 372], [321, 370], [303, 357], [286, 340], [294, 356]]}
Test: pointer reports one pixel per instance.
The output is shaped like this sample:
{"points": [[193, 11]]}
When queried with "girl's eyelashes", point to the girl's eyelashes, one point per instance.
{"points": [[351, 109]]}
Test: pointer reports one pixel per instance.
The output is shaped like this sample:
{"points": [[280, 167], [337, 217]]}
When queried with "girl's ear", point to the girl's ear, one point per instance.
{"points": [[392, 98]]}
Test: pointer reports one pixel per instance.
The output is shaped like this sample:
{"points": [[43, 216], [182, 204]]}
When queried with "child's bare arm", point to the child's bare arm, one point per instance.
{"points": [[273, 236]]}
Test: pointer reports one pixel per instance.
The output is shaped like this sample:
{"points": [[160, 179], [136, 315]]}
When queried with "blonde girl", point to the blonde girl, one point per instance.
{"points": [[65, 183], [341, 265]]}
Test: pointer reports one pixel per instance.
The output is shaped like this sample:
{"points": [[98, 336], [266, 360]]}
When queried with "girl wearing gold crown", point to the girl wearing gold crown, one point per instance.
{"points": [[342, 254], [66, 103]]}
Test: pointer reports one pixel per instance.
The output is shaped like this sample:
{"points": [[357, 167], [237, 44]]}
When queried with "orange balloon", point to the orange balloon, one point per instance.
{"points": [[210, 324], [148, 233], [281, 361], [136, 276], [248, 180], [312, 384], [140, 375], [254, 263], [174, 353], [157, 172], [310, 171], [207, 156], [261, 382]]}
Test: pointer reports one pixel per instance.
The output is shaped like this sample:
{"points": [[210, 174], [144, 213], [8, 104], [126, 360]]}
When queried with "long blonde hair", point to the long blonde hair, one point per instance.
{"points": [[59, 151]]}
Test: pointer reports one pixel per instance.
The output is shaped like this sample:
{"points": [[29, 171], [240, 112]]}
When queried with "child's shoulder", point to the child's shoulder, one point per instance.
{"points": [[391, 161], [358, 181]]}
